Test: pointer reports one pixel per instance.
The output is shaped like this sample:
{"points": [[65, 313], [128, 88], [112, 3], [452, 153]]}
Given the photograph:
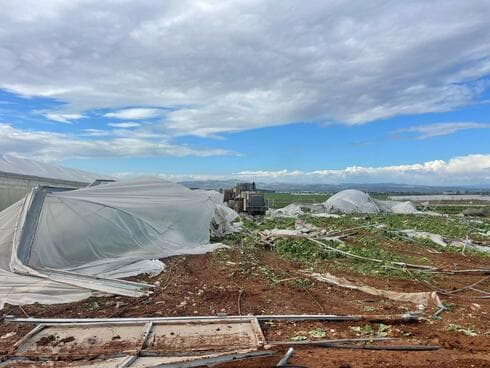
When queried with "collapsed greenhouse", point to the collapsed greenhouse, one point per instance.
{"points": [[355, 201], [59, 246]]}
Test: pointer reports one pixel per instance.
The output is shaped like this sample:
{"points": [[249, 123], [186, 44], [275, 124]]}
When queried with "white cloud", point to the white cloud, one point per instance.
{"points": [[237, 65], [128, 124], [49, 146], [95, 133], [439, 129], [469, 169], [62, 117], [135, 113]]}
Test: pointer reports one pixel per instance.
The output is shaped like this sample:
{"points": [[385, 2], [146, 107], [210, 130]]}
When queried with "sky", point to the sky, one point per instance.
{"points": [[278, 91]]}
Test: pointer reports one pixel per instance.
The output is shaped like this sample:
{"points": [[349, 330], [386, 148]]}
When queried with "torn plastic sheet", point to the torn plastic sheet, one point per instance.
{"points": [[82, 240], [291, 210], [301, 230], [222, 221], [326, 215], [440, 240], [421, 299]]}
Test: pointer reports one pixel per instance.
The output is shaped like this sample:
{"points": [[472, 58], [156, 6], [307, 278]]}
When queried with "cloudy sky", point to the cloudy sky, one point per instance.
{"points": [[304, 91]]}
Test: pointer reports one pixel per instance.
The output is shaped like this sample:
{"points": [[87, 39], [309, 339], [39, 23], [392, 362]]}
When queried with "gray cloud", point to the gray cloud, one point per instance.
{"points": [[237, 65]]}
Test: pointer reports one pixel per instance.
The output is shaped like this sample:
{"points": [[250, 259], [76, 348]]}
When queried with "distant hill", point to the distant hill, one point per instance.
{"points": [[332, 188]]}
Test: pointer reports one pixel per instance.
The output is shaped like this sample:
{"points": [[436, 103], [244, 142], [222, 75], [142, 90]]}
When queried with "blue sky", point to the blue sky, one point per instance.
{"points": [[324, 92]]}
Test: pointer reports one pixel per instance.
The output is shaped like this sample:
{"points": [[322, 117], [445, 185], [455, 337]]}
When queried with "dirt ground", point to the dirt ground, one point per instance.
{"points": [[234, 281]]}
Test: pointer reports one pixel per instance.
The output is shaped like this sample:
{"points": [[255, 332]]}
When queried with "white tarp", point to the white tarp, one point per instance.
{"points": [[112, 230], [355, 201]]}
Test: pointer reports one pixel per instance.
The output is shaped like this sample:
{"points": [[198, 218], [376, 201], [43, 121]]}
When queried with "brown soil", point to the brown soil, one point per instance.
{"points": [[46, 340], [260, 282]]}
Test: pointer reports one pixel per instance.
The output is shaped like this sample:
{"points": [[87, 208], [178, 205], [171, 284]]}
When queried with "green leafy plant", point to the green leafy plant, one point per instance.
{"points": [[457, 328], [299, 338], [366, 330], [317, 333]]}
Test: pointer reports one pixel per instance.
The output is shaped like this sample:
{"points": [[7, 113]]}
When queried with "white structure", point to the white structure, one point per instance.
{"points": [[350, 201], [58, 246], [354, 201], [18, 176]]}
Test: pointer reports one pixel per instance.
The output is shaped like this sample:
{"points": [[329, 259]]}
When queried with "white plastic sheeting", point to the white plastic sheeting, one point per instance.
{"points": [[440, 240], [421, 298], [114, 230], [435, 238], [22, 289], [351, 201], [21, 166], [291, 210], [405, 208], [355, 201]]}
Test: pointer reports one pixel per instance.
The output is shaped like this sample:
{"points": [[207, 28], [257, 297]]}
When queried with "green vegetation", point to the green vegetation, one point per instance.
{"points": [[449, 227], [317, 333], [368, 240], [313, 255], [303, 250], [451, 209], [445, 226], [366, 330], [299, 337], [451, 249], [452, 227], [279, 200], [456, 328]]}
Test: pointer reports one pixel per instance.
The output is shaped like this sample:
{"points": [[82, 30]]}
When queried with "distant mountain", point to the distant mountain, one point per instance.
{"points": [[332, 188]]}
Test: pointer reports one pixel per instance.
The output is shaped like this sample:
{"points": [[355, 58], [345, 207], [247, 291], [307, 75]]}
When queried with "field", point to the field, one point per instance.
{"points": [[255, 276], [279, 200]]}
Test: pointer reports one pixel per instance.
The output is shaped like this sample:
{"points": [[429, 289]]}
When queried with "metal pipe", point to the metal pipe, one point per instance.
{"points": [[332, 341], [204, 362], [285, 358], [384, 347], [287, 317]]}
